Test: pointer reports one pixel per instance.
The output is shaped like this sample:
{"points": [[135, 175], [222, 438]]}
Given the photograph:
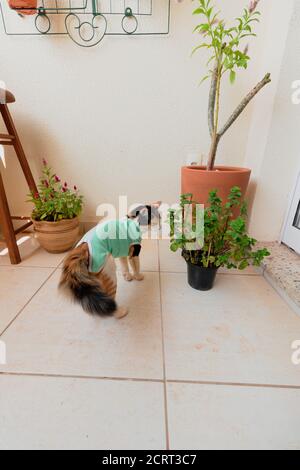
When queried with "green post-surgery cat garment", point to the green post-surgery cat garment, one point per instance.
{"points": [[114, 237]]}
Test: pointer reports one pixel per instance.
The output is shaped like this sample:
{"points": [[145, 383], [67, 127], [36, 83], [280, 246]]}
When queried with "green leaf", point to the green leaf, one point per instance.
{"points": [[204, 27], [199, 47], [232, 76], [204, 79], [243, 265], [174, 246], [196, 28], [199, 11]]}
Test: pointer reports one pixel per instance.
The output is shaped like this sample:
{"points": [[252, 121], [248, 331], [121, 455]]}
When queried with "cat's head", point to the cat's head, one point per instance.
{"points": [[147, 214]]}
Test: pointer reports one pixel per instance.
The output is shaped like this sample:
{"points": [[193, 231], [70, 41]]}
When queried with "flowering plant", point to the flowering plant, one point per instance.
{"points": [[228, 54], [55, 201]]}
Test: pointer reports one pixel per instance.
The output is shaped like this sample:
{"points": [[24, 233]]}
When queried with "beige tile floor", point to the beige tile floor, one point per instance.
{"points": [[184, 370]]}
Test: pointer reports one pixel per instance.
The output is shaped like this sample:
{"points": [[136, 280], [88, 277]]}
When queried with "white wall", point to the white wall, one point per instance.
{"points": [[121, 118], [274, 147]]}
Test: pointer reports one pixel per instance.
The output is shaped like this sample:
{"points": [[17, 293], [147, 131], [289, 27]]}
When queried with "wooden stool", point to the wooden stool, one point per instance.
{"points": [[12, 138]]}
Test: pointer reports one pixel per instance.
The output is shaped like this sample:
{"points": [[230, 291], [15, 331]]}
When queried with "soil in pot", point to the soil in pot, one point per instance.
{"points": [[57, 237], [201, 278], [199, 182]]}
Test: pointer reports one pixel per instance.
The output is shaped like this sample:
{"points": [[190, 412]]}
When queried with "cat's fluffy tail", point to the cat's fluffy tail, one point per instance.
{"points": [[83, 287]]}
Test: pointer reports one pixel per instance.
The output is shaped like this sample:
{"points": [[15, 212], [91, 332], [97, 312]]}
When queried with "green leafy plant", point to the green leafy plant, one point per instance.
{"points": [[223, 238], [55, 201], [228, 54]]}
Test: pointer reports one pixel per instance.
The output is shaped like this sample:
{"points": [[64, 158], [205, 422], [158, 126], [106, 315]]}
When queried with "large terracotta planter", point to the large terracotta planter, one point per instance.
{"points": [[57, 237], [17, 4], [198, 181]]}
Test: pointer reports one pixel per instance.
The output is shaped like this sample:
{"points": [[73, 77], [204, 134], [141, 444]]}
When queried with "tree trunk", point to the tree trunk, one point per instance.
{"points": [[212, 100], [214, 103], [213, 152], [244, 103]]}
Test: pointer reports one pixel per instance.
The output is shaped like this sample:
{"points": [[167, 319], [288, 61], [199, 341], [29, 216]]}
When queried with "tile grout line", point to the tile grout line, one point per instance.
{"points": [[219, 274], [80, 377], [145, 380], [145, 271], [27, 266], [28, 301], [163, 356], [234, 384]]}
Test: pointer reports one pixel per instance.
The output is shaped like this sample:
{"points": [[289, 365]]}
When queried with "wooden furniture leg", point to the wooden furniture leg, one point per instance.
{"points": [[7, 226], [12, 139], [18, 147]]}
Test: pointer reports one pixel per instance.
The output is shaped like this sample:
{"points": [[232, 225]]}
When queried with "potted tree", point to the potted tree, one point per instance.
{"points": [[221, 239], [56, 212], [228, 54]]}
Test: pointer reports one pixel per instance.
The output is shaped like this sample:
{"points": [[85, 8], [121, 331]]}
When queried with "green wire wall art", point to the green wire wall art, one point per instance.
{"points": [[86, 22]]}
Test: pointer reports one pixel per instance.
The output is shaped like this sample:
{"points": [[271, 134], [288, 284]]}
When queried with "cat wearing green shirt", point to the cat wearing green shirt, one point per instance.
{"points": [[89, 270]]}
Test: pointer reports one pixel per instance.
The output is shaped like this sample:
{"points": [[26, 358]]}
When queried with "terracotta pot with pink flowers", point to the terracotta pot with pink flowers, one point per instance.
{"points": [[56, 212]]}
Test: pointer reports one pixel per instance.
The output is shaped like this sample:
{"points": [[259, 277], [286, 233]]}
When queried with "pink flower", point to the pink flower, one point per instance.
{"points": [[65, 184], [46, 183], [64, 189], [75, 188], [45, 163], [57, 179], [253, 5]]}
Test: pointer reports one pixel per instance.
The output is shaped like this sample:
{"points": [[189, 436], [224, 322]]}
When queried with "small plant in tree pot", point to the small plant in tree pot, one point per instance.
{"points": [[228, 53], [56, 212], [222, 238]]}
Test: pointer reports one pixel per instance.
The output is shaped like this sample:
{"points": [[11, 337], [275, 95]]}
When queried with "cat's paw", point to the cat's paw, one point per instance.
{"points": [[121, 312], [139, 277], [128, 277]]}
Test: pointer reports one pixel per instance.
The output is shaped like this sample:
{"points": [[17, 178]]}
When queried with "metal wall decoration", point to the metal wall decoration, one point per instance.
{"points": [[87, 22]]}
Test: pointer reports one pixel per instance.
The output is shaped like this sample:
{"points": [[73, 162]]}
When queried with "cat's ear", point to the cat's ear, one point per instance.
{"points": [[136, 211], [145, 214]]}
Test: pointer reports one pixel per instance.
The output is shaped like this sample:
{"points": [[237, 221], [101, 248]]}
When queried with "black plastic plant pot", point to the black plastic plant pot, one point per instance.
{"points": [[201, 278]]}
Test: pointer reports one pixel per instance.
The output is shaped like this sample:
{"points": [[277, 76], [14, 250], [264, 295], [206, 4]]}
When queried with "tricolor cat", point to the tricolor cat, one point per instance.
{"points": [[89, 270]]}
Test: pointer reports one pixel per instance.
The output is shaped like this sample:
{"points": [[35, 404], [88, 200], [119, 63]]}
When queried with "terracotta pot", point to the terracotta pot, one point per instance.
{"points": [[198, 181], [17, 4], [57, 237]]}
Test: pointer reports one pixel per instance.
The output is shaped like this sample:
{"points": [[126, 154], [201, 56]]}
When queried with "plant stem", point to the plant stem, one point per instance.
{"points": [[209, 252], [213, 152], [215, 135], [219, 76], [212, 100], [244, 103]]}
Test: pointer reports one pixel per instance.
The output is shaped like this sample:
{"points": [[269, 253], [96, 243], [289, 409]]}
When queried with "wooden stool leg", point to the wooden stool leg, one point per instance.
{"points": [[18, 147], [7, 226]]}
